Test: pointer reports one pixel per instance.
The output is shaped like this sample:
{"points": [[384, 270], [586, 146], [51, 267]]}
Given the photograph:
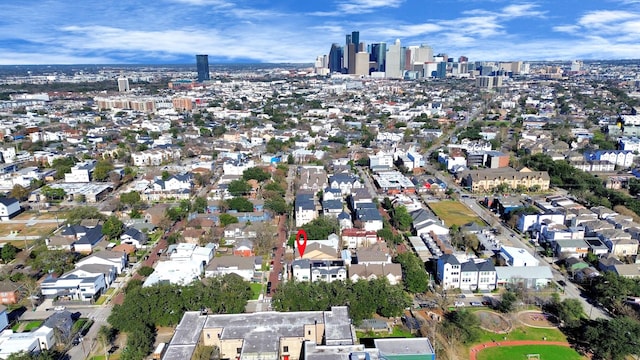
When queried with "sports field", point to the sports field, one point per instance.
{"points": [[546, 352], [454, 213]]}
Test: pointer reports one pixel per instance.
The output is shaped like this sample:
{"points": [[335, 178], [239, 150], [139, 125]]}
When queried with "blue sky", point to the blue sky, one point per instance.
{"points": [[173, 31]]}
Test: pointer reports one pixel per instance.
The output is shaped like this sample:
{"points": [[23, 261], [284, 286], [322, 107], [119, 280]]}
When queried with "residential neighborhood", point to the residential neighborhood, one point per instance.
{"points": [[271, 213]]}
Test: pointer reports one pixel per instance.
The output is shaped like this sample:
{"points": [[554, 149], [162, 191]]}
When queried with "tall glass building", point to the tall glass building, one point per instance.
{"points": [[202, 63]]}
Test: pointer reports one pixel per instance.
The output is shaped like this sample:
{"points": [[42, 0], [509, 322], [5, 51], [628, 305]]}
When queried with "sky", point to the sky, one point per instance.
{"points": [[297, 31]]}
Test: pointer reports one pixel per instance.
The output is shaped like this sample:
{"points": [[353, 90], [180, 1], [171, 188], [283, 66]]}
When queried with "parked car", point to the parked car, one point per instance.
{"points": [[458, 304], [59, 308], [476, 303]]}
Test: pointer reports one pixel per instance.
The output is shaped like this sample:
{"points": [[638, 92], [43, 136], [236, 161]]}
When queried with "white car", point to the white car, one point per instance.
{"points": [[458, 304], [59, 308]]}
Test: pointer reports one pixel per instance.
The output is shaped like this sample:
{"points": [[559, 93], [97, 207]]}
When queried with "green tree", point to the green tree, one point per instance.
{"points": [[255, 173], [321, 227], [63, 166], [277, 205], [507, 301], [106, 335], [401, 218], [145, 271], [226, 219], [414, 275], [79, 213], [240, 204], [102, 170], [239, 187], [57, 261], [9, 252], [570, 312], [130, 198], [466, 323], [53, 193], [621, 334], [112, 228], [200, 205], [19, 192]]}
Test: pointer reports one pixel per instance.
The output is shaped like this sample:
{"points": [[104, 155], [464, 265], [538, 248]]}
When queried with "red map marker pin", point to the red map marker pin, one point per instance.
{"points": [[301, 245]]}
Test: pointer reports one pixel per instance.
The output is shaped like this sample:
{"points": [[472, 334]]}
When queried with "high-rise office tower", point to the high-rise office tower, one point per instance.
{"points": [[202, 64], [463, 59], [379, 55], [423, 54], [393, 67], [335, 59], [351, 65], [362, 63], [123, 84], [355, 38], [441, 71]]}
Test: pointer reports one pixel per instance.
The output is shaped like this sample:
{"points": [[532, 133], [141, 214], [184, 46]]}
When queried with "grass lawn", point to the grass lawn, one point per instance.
{"points": [[26, 326], [454, 213], [524, 333], [32, 325], [256, 290], [547, 352]]}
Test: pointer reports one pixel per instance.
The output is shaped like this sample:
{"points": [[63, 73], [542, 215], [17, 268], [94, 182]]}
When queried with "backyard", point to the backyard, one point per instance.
{"points": [[454, 213]]}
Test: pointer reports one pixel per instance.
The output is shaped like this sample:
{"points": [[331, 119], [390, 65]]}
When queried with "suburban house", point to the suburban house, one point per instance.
{"points": [[345, 182], [369, 216], [9, 207], [488, 179], [468, 275], [105, 257], [514, 256], [305, 209], [176, 186], [134, 237], [156, 213], [530, 277], [243, 248], [391, 271], [87, 242], [356, 238], [425, 222], [318, 270], [9, 293], [223, 265], [73, 286], [34, 341]]}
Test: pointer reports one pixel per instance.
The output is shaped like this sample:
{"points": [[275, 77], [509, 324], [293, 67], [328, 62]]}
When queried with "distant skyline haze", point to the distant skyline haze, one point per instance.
{"points": [[294, 31]]}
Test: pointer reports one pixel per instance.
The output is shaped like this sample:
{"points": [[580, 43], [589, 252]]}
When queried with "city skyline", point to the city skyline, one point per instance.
{"points": [[173, 31]]}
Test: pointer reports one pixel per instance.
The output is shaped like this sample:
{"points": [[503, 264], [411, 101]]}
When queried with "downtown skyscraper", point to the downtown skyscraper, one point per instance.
{"points": [[202, 65]]}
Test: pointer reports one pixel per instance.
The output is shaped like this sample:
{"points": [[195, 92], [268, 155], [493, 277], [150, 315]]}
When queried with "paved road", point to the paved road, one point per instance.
{"points": [[570, 290]]}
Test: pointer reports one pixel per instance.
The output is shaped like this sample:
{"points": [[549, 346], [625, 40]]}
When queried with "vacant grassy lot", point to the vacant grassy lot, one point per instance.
{"points": [[27, 229], [546, 352], [256, 290], [454, 213]]}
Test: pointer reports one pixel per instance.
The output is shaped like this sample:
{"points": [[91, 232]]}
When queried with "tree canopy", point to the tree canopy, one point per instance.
{"points": [[102, 170], [239, 187], [321, 227], [112, 228], [364, 298], [414, 275], [240, 204], [255, 173]]}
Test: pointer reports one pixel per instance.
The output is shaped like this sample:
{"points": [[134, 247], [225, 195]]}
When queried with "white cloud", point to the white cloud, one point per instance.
{"points": [[601, 18], [359, 6], [569, 29]]}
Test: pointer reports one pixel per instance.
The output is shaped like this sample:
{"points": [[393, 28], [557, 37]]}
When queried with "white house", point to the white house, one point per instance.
{"points": [[9, 207], [74, 287], [241, 266], [105, 257], [29, 342], [514, 256], [81, 172], [467, 276], [318, 270]]}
